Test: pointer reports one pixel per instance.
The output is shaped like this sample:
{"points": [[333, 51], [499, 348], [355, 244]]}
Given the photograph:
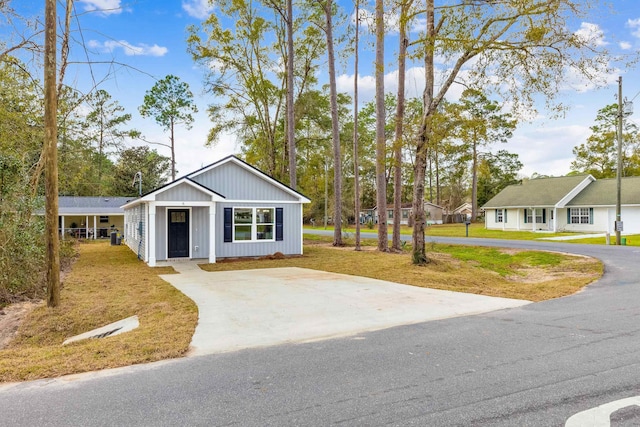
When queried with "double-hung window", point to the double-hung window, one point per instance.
{"points": [[580, 216], [499, 215], [538, 213], [253, 224]]}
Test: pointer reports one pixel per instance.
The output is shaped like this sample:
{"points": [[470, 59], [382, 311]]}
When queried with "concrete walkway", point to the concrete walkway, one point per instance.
{"points": [[256, 308]]}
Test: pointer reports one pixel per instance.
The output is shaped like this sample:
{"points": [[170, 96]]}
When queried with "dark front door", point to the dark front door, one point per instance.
{"points": [[178, 233]]}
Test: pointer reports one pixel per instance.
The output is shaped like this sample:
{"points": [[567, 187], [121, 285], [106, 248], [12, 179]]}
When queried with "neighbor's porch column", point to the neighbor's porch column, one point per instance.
{"points": [[152, 234], [86, 227], [555, 219], [95, 228], [533, 219], [62, 225], [212, 233]]}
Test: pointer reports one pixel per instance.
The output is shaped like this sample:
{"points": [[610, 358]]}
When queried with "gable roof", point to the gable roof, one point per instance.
{"points": [[233, 159], [603, 192], [82, 205], [538, 192], [150, 196]]}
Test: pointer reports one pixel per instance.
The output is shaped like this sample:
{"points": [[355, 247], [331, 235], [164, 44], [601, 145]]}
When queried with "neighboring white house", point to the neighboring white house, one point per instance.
{"points": [[226, 209], [569, 203]]}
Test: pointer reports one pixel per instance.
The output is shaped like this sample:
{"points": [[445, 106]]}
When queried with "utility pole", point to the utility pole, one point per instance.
{"points": [[52, 241], [618, 224]]}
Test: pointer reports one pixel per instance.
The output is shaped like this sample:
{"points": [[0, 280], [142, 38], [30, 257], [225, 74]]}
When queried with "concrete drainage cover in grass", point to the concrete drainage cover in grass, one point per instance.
{"points": [[119, 327]]}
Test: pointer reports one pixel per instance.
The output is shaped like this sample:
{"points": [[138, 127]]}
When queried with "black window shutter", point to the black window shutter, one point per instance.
{"points": [[228, 224], [279, 224], [496, 220], [544, 216], [568, 215], [525, 216], [590, 215], [505, 216]]}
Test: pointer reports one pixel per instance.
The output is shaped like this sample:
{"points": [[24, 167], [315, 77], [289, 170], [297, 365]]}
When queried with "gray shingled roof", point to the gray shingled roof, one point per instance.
{"points": [[70, 205], [603, 193], [535, 192]]}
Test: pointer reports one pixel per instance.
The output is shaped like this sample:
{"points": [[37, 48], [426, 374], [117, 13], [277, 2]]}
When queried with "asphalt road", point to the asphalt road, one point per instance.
{"points": [[536, 365]]}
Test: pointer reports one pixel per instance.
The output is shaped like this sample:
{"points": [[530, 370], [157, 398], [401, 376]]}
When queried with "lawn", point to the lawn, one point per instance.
{"points": [[478, 230], [108, 283]]}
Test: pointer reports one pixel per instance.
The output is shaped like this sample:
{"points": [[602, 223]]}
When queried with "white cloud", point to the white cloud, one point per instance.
{"points": [[634, 24], [591, 34], [104, 7], [546, 150], [199, 9], [625, 45], [130, 50]]}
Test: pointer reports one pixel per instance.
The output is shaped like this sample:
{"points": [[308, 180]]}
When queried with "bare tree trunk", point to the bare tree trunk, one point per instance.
{"points": [[52, 256], [356, 169], [335, 134], [398, 141], [381, 187], [290, 118], [419, 252]]}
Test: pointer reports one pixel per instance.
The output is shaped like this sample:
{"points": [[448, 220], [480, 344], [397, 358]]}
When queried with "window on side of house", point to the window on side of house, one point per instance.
{"points": [[104, 218], [580, 216], [405, 214], [390, 213], [253, 224], [499, 215]]}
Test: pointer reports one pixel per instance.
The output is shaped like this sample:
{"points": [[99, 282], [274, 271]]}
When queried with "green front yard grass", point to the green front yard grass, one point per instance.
{"points": [[478, 230]]}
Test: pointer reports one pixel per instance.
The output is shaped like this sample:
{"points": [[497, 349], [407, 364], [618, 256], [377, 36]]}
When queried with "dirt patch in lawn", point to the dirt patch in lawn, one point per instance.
{"points": [[10, 318]]}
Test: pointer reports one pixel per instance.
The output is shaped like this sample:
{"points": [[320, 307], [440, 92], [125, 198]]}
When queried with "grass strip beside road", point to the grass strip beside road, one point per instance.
{"points": [[106, 284]]}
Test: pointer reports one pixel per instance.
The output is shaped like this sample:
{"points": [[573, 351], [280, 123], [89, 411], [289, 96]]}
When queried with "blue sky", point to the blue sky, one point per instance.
{"points": [[149, 37]]}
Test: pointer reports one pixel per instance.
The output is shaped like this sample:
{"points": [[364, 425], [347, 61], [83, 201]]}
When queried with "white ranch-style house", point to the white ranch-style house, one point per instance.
{"points": [[569, 203]]}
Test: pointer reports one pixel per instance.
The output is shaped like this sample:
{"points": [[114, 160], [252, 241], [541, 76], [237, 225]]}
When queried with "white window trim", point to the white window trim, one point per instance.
{"points": [[254, 225], [579, 215]]}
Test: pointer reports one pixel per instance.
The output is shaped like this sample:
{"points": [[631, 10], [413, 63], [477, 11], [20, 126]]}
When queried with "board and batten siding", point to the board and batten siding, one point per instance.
{"points": [[292, 229], [183, 193], [161, 233], [237, 183], [200, 232], [136, 230]]}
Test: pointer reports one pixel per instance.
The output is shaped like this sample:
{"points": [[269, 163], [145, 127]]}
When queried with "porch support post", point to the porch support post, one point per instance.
{"points": [[504, 218], [212, 233], [533, 219], [86, 227], [555, 219], [62, 225], [95, 228], [152, 234]]}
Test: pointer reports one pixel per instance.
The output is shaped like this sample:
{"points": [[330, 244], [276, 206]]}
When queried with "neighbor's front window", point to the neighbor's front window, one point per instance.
{"points": [[579, 216], [251, 224], [499, 217], [538, 212]]}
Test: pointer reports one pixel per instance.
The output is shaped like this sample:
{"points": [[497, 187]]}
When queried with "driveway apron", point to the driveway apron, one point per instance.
{"points": [[256, 308]]}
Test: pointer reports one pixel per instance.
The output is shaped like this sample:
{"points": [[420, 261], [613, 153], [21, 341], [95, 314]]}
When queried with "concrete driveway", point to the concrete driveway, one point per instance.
{"points": [[256, 308]]}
